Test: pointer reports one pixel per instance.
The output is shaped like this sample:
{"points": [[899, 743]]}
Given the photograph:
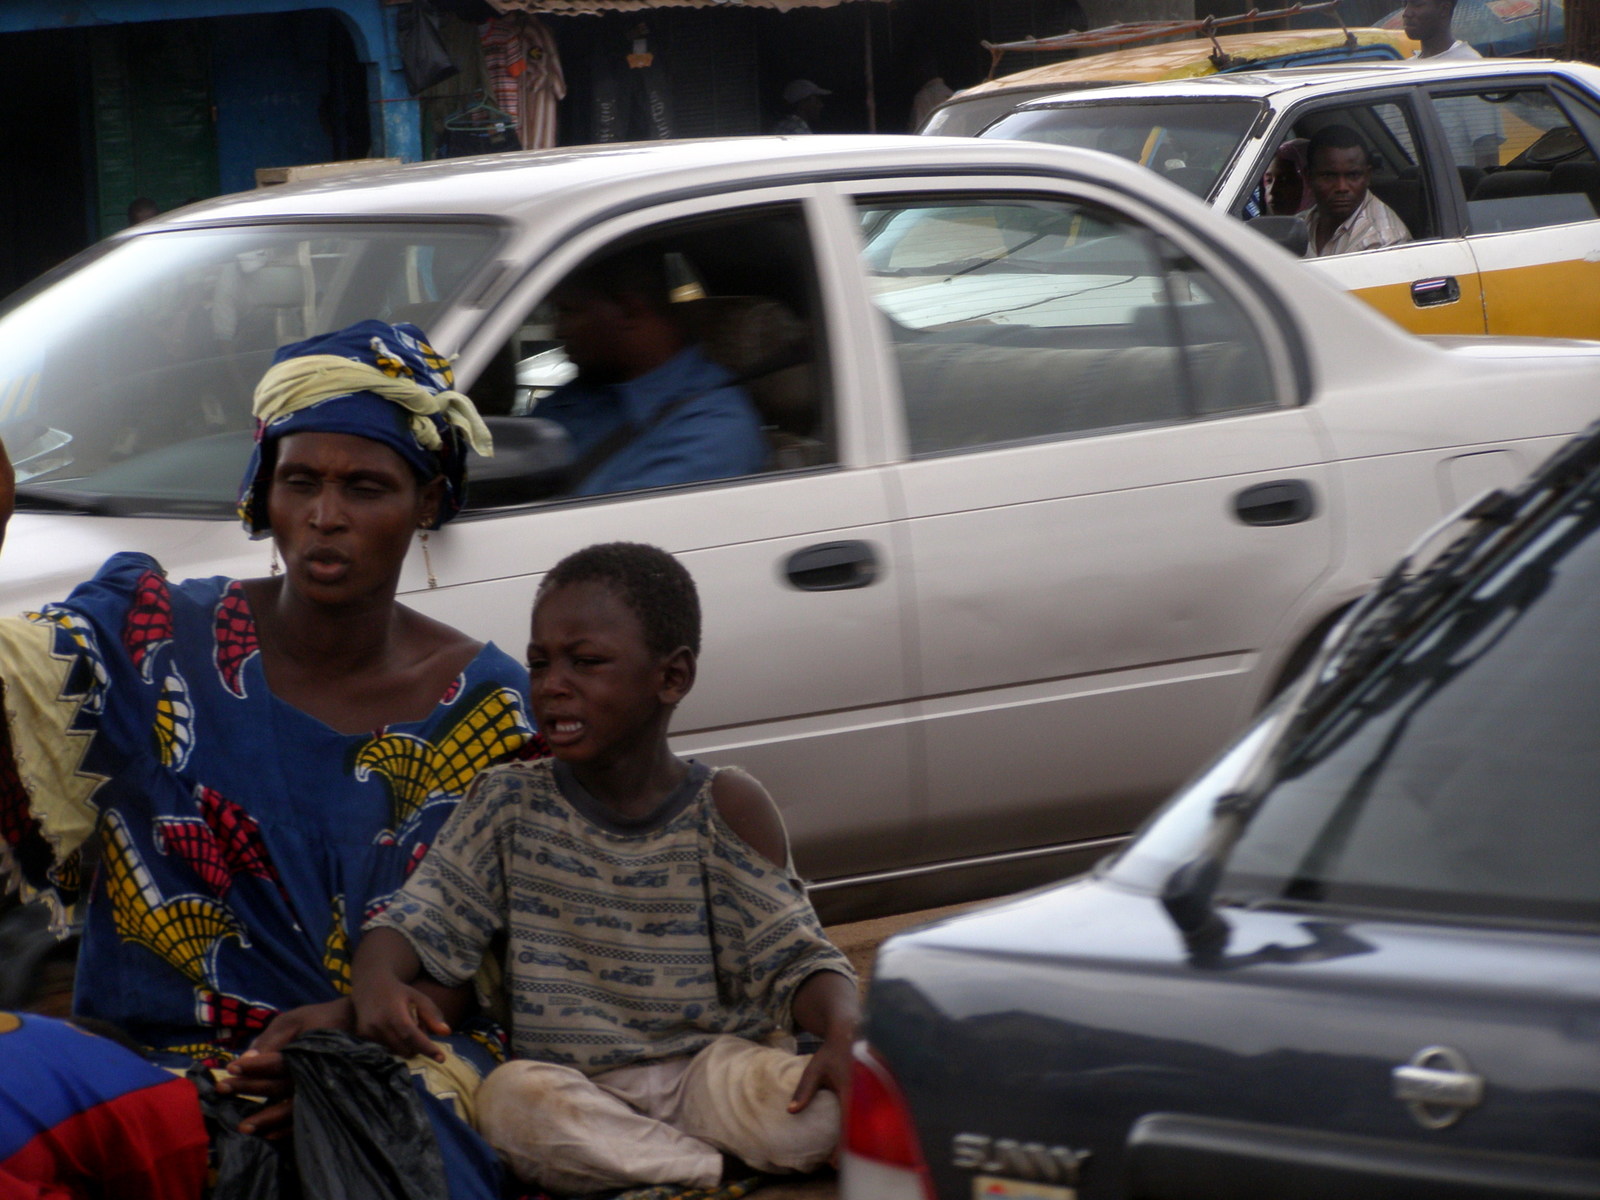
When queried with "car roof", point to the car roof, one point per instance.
{"points": [[1173, 60], [515, 185], [1330, 77]]}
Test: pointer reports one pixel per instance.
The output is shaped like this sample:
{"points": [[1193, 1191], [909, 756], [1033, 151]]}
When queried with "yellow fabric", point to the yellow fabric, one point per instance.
{"points": [[298, 383], [40, 715], [454, 1080]]}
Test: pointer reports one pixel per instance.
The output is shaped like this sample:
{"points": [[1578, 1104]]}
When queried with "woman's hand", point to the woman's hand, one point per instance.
{"points": [[399, 1018], [260, 1070]]}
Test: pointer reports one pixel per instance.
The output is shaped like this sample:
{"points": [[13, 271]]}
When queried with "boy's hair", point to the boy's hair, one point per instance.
{"points": [[650, 582]]}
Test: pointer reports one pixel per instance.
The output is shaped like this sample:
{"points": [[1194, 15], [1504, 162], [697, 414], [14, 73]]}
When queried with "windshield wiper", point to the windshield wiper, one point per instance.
{"points": [[1500, 523]]}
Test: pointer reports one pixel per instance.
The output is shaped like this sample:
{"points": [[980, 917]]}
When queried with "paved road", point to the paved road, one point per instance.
{"points": [[859, 940]]}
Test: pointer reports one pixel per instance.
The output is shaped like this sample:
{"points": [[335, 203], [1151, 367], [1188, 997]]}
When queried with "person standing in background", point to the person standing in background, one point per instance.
{"points": [[804, 99], [1428, 22]]}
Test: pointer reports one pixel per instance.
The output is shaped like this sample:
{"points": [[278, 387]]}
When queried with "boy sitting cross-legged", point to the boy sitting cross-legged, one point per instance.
{"points": [[656, 941]]}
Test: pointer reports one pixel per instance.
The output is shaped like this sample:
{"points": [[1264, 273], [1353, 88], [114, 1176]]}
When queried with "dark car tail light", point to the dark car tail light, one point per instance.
{"points": [[882, 1158]]}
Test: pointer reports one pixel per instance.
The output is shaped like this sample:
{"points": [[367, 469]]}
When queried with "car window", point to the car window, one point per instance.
{"points": [[1400, 177], [1191, 142], [1524, 161], [1460, 778], [185, 322], [1036, 318], [742, 391]]}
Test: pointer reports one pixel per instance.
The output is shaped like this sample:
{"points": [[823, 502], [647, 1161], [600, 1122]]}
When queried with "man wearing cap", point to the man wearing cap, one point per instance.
{"points": [[804, 99]]}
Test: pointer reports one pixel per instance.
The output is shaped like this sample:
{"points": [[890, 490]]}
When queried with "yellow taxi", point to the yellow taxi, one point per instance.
{"points": [[1492, 165]]}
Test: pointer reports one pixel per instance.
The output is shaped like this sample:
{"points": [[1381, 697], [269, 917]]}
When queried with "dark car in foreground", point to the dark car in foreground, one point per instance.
{"points": [[1357, 957]]}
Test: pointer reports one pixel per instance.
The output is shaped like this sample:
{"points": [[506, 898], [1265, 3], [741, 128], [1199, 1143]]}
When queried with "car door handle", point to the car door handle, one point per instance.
{"points": [[832, 566], [1281, 502], [1438, 1085], [1441, 289]]}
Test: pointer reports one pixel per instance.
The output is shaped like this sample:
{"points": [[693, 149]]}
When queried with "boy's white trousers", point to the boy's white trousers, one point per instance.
{"points": [[666, 1122]]}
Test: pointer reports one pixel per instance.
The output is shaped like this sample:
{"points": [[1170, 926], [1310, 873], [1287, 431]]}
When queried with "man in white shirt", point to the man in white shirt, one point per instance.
{"points": [[1428, 22], [1346, 217], [1472, 127]]}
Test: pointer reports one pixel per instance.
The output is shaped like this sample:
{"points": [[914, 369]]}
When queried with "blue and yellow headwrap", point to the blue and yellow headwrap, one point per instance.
{"points": [[373, 380]]}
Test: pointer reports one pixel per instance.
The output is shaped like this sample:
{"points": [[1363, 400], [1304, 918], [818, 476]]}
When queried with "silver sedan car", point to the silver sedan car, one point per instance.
{"points": [[1066, 470]]}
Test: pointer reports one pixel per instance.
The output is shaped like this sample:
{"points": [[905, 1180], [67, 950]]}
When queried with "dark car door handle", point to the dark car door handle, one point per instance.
{"points": [[1281, 502], [1442, 289], [832, 566]]}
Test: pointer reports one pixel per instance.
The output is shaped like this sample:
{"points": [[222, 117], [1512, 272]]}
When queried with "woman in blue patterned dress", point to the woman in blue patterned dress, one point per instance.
{"points": [[265, 760]]}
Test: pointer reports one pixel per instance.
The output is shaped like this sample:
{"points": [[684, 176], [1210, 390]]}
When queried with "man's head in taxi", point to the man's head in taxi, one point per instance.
{"points": [[1341, 171], [616, 318]]}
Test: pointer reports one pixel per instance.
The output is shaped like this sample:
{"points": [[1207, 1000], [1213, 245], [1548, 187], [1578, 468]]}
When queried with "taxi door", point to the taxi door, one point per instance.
{"points": [[1525, 155]]}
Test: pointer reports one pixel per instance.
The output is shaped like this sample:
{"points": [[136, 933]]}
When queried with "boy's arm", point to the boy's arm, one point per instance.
{"points": [[389, 1008], [749, 811], [826, 1005]]}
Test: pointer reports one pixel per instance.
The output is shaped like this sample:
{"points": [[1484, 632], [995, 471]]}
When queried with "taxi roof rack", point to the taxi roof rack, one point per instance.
{"points": [[1133, 32]]}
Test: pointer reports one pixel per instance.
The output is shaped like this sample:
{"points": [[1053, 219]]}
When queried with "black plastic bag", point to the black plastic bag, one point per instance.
{"points": [[248, 1167], [423, 56], [360, 1130]]}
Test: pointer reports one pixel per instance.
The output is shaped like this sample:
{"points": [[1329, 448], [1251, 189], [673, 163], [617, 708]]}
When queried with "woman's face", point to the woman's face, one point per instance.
{"points": [[1284, 187], [343, 511]]}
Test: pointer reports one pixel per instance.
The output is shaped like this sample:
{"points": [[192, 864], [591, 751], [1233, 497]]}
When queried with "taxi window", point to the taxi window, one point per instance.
{"points": [[1524, 162], [1017, 319], [1399, 176]]}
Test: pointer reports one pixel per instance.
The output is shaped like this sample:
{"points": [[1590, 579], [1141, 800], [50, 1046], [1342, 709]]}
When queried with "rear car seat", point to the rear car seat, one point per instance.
{"points": [[769, 348]]}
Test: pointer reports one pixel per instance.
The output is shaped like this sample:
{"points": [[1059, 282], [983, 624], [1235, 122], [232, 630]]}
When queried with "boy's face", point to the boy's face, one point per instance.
{"points": [[598, 691]]}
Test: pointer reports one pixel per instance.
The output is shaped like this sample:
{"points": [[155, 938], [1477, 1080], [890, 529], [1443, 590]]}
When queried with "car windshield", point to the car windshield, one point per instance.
{"points": [[1191, 142], [130, 377], [1460, 779], [964, 116]]}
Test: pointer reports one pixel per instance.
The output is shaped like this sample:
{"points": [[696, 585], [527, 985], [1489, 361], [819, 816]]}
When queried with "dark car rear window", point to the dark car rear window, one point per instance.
{"points": [[1464, 779]]}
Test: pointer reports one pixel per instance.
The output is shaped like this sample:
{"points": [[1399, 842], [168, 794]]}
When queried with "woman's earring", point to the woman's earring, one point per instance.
{"points": [[273, 566], [427, 562]]}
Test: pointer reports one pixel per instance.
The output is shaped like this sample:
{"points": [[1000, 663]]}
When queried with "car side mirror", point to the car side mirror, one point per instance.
{"points": [[1289, 232]]}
